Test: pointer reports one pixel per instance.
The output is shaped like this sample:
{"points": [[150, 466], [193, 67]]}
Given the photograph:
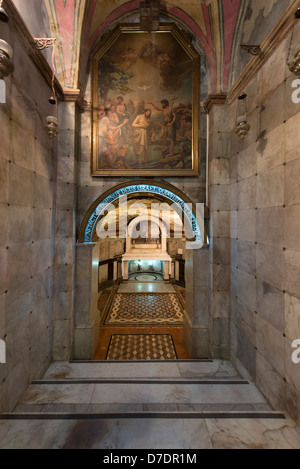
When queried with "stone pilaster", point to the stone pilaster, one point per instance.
{"points": [[87, 315], [219, 228]]}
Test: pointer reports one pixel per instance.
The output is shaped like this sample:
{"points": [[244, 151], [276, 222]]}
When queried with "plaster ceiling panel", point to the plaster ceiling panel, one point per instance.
{"points": [[102, 10]]}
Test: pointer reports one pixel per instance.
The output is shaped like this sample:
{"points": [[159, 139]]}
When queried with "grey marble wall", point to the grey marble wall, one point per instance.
{"points": [[27, 210], [65, 234], [219, 229], [265, 235]]}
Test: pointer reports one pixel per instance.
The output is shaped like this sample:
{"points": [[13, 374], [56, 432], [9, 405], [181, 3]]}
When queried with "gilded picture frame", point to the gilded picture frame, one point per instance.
{"points": [[145, 104]]}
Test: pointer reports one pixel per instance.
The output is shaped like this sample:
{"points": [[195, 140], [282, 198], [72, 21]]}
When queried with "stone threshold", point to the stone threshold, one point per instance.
{"points": [[143, 415], [195, 381]]}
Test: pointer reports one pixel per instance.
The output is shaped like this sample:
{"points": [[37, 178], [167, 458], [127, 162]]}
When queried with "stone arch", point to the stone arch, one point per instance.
{"points": [[162, 190], [196, 319]]}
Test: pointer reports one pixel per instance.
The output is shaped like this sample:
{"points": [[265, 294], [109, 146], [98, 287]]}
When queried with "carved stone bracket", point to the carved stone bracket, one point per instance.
{"points": [[44, 42], [253, 50]]}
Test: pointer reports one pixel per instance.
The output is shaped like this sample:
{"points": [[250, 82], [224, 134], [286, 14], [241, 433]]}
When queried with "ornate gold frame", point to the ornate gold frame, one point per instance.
{"points": [[184, 43]]}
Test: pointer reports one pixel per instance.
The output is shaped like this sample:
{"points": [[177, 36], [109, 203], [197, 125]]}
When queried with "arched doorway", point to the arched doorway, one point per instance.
{"points": [[105, 220]]}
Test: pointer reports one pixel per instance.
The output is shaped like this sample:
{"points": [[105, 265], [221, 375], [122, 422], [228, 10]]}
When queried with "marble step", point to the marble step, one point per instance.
{"points": [[128, 394], [186, 369], [67, 432], [109, 410]]}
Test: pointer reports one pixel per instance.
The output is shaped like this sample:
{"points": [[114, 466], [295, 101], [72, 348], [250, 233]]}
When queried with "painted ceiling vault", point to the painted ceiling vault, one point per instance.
{"points": [[219, 28]]}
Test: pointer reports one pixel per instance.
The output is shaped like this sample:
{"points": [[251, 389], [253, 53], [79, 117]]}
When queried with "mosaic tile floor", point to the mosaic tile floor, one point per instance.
{"points": [[150, 277], [144, 309], [141, 347]]}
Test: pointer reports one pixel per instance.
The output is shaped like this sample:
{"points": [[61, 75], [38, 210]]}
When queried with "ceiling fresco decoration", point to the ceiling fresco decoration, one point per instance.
{"points": [[66, 21], [219, 27]]}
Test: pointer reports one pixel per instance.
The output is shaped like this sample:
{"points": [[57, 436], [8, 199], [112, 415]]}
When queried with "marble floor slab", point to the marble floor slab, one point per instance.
{"points": [[219, 369], [254, 434], [54, 394], [60, 370], [177, 393], [148, 393], [148, 287], [149, 434]]}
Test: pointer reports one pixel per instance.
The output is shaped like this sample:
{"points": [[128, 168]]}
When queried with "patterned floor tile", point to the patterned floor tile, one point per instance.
{"points": [[144, 309], [141, 347]]}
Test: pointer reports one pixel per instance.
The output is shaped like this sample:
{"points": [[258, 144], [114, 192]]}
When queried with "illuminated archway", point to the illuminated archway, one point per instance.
{"points": [[162, 190]]}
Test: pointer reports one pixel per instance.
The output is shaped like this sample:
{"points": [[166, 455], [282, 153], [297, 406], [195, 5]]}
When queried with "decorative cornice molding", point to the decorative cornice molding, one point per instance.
{"points": [[28, 43], [215, 99], [76, 96], [268, 47]]}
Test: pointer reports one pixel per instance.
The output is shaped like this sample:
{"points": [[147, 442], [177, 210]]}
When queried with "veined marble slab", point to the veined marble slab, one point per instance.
{"points": [[148, 287], [254, 434], [104, 434], [149, 434], [142, 393], [176, 393], [62, 370]]}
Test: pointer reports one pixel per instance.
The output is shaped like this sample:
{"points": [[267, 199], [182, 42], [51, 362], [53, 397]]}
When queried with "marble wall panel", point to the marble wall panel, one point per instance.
{"points": [[5, 133], [20, 260], [292, 374], [275, 109], [3, 270], [42, 192], [292, 402], [63, 304], [292, 271], [270, 304], [270, 382], [270, 343], [42, 223], [23, 147], [247, 162], [18, 304], [291, 108], [246, 287], [270, 188], [246, 320], [269, 80], [66, 142], [219, 170], [292, 137], [270, 226], [220, 277], [221, 251], [246, 353], [291, 183], [220, 197], [246, 256], [247, 225], [234, 168], [61, 339], [234, 196], [291, 227], [16, 384], [247, 193], [219, 306], [220, 224], [292, 316], [221, 331], [270, 265], [64, 223], [44, 162], [21, 186], [233, 224], [272, 155]]}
